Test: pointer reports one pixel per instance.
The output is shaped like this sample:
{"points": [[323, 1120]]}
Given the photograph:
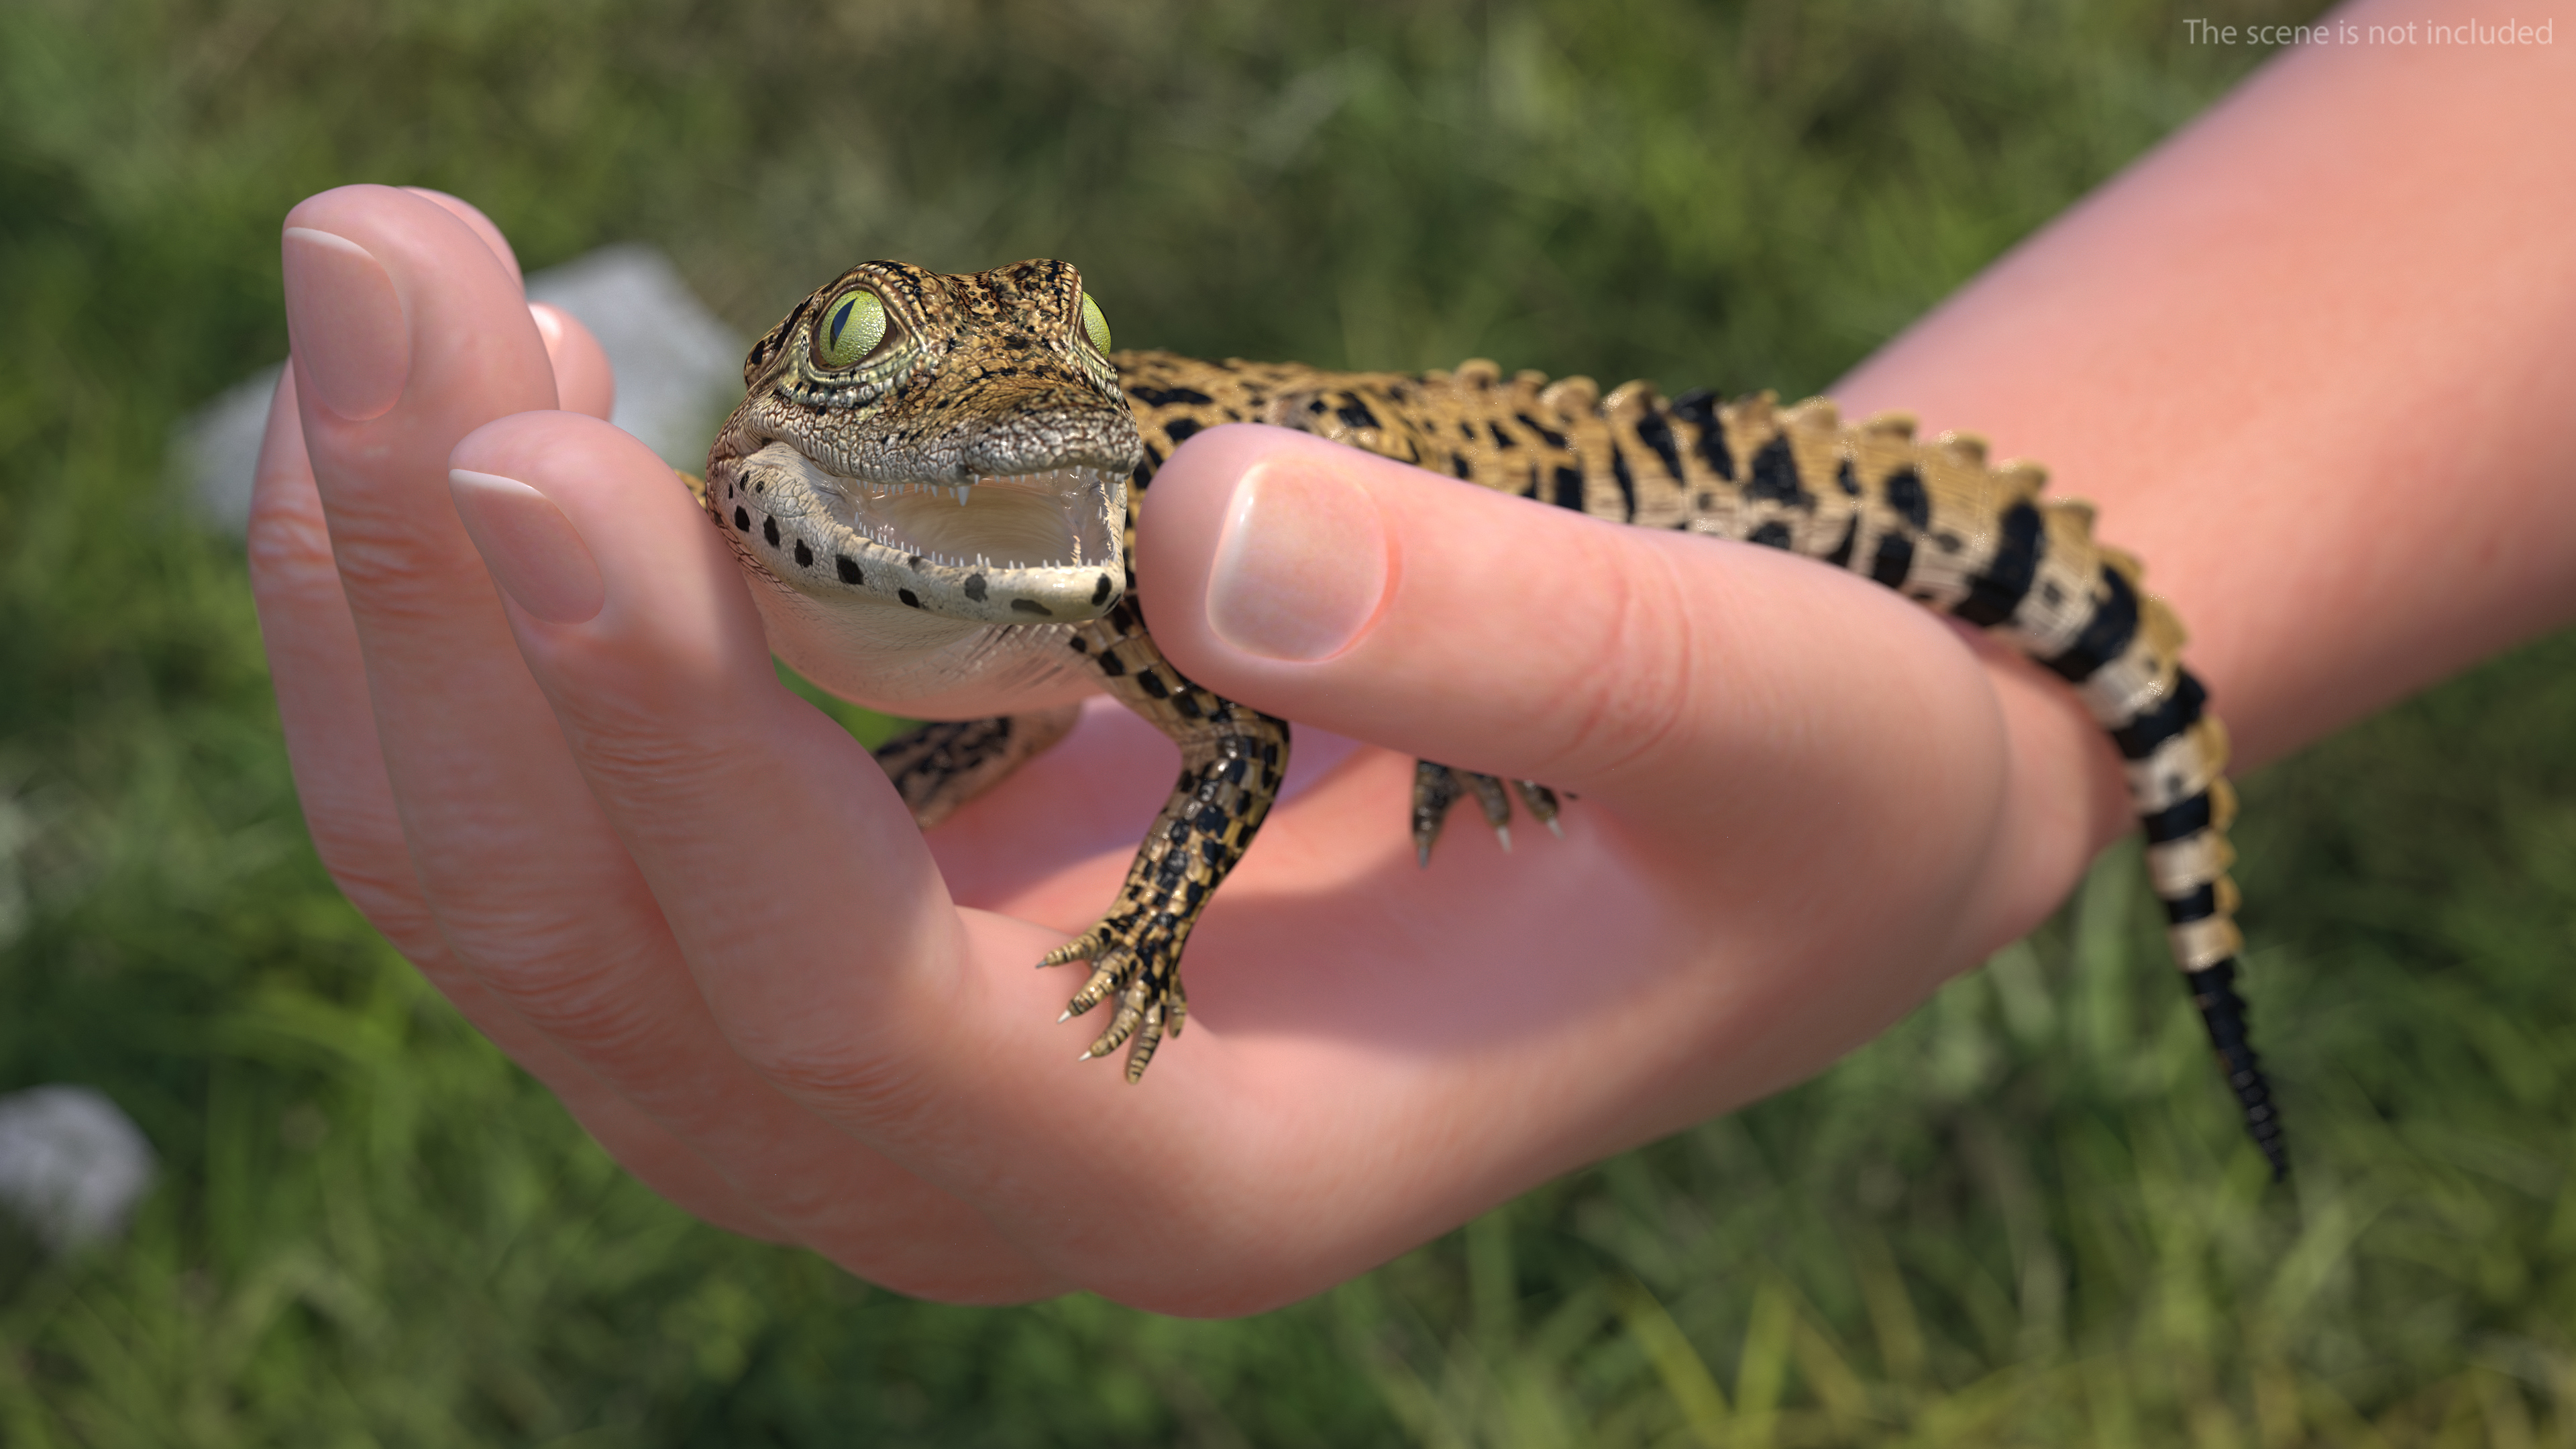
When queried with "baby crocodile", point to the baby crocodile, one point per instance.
{"points": [[934, 480]]}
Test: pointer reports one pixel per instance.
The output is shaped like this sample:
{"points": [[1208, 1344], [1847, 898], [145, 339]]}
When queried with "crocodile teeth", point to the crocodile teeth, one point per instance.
{"points": [[1050, 518]]}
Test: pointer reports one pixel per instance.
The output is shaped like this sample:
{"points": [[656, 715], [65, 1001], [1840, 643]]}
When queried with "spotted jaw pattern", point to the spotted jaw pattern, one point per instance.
{"points": [[1035, 548]]}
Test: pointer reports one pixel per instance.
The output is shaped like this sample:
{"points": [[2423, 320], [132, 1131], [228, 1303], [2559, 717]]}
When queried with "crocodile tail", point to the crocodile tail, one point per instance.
{"points": [[1980, 543], [1934, 520], [2123, 656]]}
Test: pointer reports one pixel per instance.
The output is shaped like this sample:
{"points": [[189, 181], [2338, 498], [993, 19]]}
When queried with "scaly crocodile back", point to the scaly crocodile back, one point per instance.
{"points": [[1932, 520]]}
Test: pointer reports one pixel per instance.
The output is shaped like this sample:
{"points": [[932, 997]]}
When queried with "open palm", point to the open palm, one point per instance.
{"points": [[683, 898]]}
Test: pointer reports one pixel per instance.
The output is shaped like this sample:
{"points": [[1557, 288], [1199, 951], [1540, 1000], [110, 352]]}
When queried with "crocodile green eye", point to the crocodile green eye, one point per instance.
{"points": [[1094, 325], [852, 328]]}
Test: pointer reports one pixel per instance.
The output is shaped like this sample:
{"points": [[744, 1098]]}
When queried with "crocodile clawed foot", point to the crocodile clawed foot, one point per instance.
{"points": [[1142, 974], [1541, 803], [1437, 787]]}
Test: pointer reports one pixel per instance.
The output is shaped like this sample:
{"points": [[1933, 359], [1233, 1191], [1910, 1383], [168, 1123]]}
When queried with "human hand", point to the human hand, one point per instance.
{"points": [[585, 807]]}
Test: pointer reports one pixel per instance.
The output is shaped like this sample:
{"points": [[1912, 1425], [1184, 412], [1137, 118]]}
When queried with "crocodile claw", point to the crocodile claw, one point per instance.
{"points": [[1437, 787], [1136, 961]]}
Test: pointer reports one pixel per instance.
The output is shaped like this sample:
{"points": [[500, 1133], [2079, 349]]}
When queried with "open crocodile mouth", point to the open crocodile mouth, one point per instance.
{"points": [[1026, 548], [1034, 520]]}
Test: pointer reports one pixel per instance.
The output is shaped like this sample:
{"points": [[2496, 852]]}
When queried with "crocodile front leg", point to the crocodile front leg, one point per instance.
{"points": [[1232, 758]]}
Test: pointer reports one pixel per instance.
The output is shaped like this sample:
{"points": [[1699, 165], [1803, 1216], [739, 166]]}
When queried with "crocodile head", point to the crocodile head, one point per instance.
{"points": [[956, 445]]}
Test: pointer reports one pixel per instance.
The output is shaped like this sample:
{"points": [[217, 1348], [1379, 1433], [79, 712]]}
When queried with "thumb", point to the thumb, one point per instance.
{"points": [[1670, 675]]}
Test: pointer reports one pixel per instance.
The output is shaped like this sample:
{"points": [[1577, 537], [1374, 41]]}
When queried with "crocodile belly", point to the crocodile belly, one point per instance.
{"points": [[920, 665]]}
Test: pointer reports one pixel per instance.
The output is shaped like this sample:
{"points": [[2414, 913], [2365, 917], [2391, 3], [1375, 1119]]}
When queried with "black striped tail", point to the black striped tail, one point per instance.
{"points": [[2188, 904], [2223, 1011]]}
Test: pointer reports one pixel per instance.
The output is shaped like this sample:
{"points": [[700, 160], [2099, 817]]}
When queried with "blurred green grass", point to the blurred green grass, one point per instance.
{"points": [[2023, 1217]]}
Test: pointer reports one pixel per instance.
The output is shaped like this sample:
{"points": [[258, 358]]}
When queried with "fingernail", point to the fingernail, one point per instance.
{"points": [[533, 551], [584, 381], [345, 322], [1301, 566]]}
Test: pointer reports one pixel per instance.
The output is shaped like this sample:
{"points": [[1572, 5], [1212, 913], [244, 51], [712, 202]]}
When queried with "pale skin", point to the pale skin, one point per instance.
{"points": [[2311, 360]]}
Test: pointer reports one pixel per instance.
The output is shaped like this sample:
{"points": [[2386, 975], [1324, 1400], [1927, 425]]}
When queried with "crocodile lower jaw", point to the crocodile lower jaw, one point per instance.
{"points": [[1040, 548]]}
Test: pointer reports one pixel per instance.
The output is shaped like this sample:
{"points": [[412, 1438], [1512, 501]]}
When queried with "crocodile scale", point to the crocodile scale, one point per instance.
{"points": [[987, 378]]}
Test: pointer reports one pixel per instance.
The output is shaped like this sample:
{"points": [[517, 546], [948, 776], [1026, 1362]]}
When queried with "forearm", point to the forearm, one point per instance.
{"points": [[2312, 359]]}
